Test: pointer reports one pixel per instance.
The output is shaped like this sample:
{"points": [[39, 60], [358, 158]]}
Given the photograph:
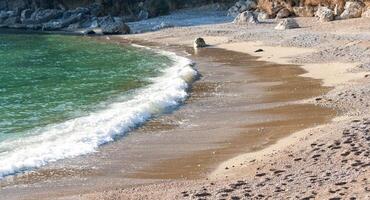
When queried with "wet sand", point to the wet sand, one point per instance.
{"points": [[239, 105]]}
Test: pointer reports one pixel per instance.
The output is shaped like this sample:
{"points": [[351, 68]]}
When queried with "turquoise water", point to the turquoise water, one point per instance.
{"points": [[64, 96], [49, 78]]}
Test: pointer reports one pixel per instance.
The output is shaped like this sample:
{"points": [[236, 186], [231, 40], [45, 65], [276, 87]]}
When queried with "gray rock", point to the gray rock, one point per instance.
{"points": [[26, 14], [143, 14], [199, 43], [3, 15], [325, 14], [287, 24], [242, 6], [246, 17], [283, 13], [352, 10], [43, 16], [115, 27], [11, 21]]}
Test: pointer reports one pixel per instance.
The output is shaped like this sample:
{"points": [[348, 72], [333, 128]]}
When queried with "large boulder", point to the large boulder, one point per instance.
{"points": [[352, 9], [112, 26], [199, 43], [325, 14], [304, 11], [242, 6], [287, 24], [26, 14], [366, 13], [246, 17], [283, 13]]}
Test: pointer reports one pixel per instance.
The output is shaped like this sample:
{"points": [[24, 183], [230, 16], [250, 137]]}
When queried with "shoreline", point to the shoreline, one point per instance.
{"points": [[339, 77], [270, 165]]}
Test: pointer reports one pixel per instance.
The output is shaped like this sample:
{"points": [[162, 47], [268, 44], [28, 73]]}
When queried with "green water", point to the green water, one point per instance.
{"points": [[46, 79]]}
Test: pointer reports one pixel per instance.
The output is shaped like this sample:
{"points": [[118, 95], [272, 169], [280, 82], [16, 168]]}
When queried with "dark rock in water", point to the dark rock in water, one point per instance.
{"points": [[258, 50], [89, 32], [199, 43]]}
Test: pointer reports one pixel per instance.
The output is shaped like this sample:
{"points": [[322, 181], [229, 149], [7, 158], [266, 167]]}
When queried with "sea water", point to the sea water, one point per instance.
{"points": [[64, 96]]}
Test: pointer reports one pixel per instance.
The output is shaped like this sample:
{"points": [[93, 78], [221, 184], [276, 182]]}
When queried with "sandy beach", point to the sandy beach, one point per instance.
{"points": [[329, 161], [288, 122]]}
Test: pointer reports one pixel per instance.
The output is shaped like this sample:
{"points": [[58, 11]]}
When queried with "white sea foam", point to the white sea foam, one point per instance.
{"points": [[85, 134]]}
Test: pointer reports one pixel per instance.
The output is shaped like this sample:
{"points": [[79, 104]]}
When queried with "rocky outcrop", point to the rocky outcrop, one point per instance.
{"points": [[246, 17], [352, 9], [66, 20], [114, 26], [242, 6], [325, 14], [287, 24]]}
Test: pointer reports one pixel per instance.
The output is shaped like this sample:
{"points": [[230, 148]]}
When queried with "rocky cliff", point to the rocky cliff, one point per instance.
{"points": [[111, 7]]}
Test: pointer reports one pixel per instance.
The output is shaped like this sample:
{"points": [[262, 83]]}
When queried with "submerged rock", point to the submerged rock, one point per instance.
{"points": [[246, 17], [287, 24], [199, 43]]}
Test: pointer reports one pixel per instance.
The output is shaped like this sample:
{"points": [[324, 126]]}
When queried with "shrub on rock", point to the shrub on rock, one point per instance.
{"points": [[304, 11]]}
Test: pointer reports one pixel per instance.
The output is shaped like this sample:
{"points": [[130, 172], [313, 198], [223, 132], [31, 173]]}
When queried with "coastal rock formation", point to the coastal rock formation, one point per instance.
{"points": [[199, 43], [287, 24], [114, 26], [352, 10], [242, 6], [325, 14], [246, 17]]}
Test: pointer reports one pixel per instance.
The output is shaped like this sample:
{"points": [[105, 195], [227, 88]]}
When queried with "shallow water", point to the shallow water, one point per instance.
{"points": [[63, 96]]}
